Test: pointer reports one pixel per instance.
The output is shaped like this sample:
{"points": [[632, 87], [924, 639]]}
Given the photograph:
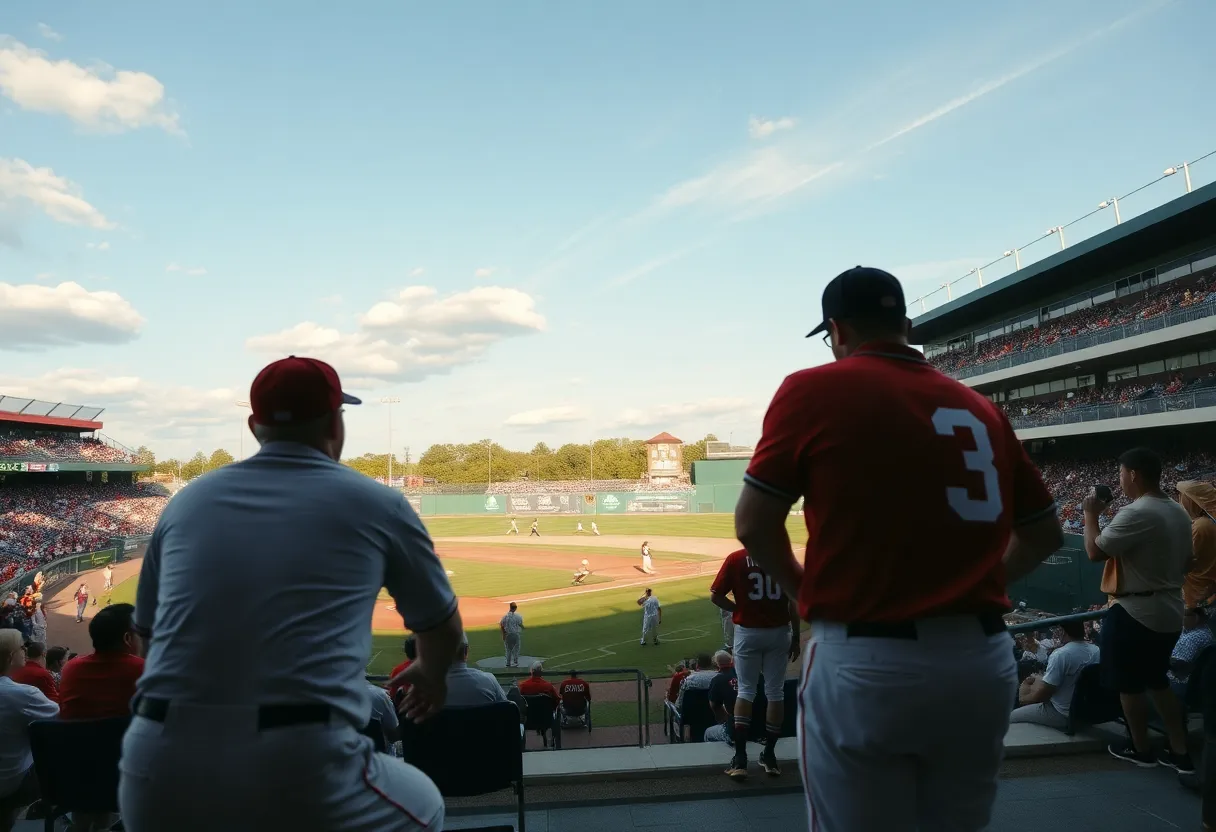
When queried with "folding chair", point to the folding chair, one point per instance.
{"points": [[582, 712], [695, 715], [541, 719], [469, 751], [77, 764]]}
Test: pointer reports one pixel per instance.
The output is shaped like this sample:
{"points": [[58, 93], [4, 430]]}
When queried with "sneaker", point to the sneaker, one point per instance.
{"points": [[1180, 763], [768, 762], [1127, 751], [737, 770], [642, 643]]}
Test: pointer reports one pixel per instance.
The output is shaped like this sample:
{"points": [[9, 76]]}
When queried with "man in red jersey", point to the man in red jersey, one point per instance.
{"points": [[766, 638], [576, 700], [904, 595]]}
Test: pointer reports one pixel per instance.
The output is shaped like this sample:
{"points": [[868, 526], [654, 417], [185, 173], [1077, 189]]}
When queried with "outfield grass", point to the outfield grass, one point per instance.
{"points": [[485, 579], [563, 525], [587, 551], [122, 592]]}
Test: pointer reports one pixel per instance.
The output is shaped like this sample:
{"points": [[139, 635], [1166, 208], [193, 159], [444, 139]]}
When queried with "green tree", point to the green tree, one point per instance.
{"points": [[195, 467], [144, 456], [219, 458], [695, 451]]}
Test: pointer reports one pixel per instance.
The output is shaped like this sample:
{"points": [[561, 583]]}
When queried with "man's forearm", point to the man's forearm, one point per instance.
{"points": [[1091, 539], [437, 647], [722, 602]]}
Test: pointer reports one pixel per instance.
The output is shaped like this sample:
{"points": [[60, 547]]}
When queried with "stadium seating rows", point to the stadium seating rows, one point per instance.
{"points": [[41, 523], [1137, 390], [1139, 307], [55, 447]]}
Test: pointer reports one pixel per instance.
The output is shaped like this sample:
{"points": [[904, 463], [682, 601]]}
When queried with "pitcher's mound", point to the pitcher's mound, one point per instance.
{"points": [[500, 663]]}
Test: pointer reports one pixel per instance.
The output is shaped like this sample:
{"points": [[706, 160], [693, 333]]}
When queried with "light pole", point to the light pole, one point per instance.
{"points": [[1106, 203], [241, 434], [1186, 173], [489, 464], [390, 401], [591, 447]]}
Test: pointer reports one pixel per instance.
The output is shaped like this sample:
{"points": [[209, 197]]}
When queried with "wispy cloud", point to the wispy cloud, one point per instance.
{"points": [[417, 271], [49, 33], [192, 271], [483, 272], [627, 277], [760, 175], [762, 128], [545, 416], [104, 245], [331, 300]]}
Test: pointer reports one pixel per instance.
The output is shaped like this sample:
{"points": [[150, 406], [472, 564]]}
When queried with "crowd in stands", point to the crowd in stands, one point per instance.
{"points": [[1118, 393], [1141, 306], [1070, 480], [41, 523], [58, 447]]}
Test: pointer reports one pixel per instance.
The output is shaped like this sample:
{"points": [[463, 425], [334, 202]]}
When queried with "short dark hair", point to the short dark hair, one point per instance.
{"points": [[1074, 629], [56, 655], [1144, 462], [410, 647], [705, 660], [110, 626], [573, 674], [34, 649]]}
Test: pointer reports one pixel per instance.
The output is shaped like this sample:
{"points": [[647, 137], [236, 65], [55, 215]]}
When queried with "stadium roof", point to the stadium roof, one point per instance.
{"points": [[1155, 233], [49, 414], [664, 438]]}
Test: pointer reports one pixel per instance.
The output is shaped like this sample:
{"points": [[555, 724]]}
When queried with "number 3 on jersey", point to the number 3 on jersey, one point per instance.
{"points": [[947, 421], [763, 587]]}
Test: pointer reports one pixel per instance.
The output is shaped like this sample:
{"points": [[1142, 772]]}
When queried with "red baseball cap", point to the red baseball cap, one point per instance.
{"points": [[294, 390]]}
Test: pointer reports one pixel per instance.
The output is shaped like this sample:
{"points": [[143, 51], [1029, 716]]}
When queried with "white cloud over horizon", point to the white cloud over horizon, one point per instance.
{"points": [[662, 415], [762, 128], [483, 272], [55, 196], [99, 97], [545, 416], [35, 317], [49, 33], [192, 271], [416, 334]]}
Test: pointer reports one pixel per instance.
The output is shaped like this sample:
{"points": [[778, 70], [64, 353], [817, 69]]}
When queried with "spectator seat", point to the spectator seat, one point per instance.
{"points": [[696, 716], [578, 712], [1092, 704], [77, 764], [541, 719], [789, 722], [439, 749]]}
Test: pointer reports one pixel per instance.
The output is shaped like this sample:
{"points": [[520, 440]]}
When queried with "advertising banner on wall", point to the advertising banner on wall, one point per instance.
{"points": [[658, 503], [543, 503]]}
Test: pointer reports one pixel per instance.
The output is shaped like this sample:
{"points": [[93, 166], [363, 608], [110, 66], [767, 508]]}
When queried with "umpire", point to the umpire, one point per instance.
{"points": [[256, 593]]}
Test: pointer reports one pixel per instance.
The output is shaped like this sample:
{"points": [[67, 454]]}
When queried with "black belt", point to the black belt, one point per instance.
{"points": [[269, 716], [1144, 594], [991, 623]]}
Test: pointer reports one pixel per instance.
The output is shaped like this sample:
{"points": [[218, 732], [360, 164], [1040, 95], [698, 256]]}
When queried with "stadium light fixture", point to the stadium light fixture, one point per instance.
{"points": [[979, 272], [1186, 173], [949, 291], [241, 433], [1059, 229], [1106, 203], [390, 401], [1017, 258]]}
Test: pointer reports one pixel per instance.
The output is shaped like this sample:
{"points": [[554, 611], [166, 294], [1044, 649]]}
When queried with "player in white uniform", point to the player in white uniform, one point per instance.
{"points": [[647, 563], [582, 573], [252, 719], [512, 625], [652, 616], [579, 530], [514, 528], [595, 530]]}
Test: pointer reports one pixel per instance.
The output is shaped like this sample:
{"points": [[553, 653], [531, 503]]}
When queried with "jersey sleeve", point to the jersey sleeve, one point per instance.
{"points": [[724, 581], [777, 466], [1031, 499], [413, 574], [147, 591]]}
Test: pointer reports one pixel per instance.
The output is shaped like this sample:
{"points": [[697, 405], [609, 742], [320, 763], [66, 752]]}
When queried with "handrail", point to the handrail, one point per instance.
{"points": [[1205, 397], [1043, 623], [643, 687]]}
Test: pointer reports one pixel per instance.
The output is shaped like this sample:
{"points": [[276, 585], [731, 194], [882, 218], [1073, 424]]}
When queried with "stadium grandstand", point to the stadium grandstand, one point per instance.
{"points": [[1106, 345], [65, 488]]}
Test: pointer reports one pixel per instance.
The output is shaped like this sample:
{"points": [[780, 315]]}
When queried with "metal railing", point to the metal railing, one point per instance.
{"points": [[642, 681], [1046, 623], [1118, 410], [1092, 339]]}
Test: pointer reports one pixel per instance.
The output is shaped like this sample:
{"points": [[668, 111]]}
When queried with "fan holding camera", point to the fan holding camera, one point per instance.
{"points": [[1146, 548]]}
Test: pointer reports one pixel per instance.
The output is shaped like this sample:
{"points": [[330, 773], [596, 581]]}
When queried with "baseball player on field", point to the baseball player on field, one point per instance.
{"points": [[595, 530], [766, 640], [511, 625], [583, 571], [920, 505], [647, 563], [514, 527], [652, 616], [252, 719]]}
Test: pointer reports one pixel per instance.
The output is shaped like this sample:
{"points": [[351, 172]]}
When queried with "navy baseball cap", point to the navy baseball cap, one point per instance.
{"points": [[862, 292], [294, 390]]}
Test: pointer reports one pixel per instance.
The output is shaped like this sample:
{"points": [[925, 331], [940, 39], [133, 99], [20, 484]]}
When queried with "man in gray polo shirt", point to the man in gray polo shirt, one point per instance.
{"points": [[256, 593]]}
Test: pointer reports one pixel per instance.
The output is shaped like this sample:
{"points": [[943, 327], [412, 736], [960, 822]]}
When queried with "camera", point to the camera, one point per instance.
{"points": [[1104, 493]]}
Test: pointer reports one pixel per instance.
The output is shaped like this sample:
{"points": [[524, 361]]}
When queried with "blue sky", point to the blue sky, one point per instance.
{"points": [[538, 221]]}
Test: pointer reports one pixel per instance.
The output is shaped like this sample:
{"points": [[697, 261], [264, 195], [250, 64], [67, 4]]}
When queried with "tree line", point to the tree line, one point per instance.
{"points": [[485, 461]]}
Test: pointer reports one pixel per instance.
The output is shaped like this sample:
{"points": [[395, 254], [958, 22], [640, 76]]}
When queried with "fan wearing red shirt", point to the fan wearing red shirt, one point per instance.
{"points": [[34, 672], [411, 652], [535, 685], [102, 684], [920, 505], [766, 640], [575, 694]]}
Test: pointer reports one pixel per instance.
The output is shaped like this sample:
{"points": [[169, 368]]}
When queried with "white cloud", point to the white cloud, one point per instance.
{"points": [[98, 97], [417, 271], [49, 33], [416, 334], [55, 196], [104, 245], [763, 174], [762, 128], [192, 271], [646, 268], [34, 317], [546, 416], [483, 272], [670, 415], [331, 300]]}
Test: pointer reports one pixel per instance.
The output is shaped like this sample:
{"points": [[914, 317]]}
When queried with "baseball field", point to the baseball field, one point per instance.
{"points": [[596, 625]]}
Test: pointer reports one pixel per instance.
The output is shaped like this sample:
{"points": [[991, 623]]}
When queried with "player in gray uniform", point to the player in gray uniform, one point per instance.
{"points": [[511, 624], [249, 711]]}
